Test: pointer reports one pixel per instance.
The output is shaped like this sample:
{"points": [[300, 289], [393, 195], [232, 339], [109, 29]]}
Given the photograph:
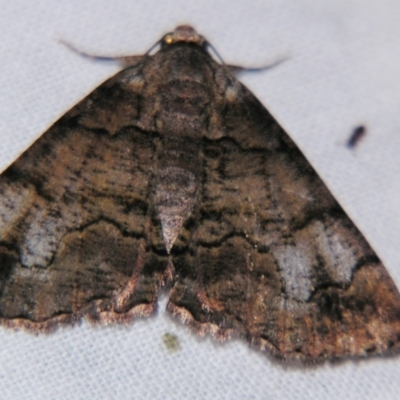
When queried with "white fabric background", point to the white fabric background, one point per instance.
{"points": [[343, 71]]}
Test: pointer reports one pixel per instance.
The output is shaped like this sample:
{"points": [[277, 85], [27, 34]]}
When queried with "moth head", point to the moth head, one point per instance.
{"points": [[186, 34], [183, 33]]}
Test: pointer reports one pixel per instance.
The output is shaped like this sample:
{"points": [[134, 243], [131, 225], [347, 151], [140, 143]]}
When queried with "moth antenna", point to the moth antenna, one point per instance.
{"points": [[235, 69], [153, 47], [208, 45], [124, 60], [84, 54]]}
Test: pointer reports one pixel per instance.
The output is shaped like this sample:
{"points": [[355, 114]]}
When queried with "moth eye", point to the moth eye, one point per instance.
{"points": [[168, 39]]}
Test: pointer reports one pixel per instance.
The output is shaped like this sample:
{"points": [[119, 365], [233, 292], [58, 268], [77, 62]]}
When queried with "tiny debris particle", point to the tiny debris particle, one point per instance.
{"points": [[171, 342], [357, 135]]}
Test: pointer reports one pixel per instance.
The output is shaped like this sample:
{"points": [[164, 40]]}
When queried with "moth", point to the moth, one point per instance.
{"points": [[172, 176], [357, 135]]}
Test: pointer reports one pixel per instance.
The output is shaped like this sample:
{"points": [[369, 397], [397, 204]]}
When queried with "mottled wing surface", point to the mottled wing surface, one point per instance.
{"points": [[172, 173], [74, 216], [273, 257]]}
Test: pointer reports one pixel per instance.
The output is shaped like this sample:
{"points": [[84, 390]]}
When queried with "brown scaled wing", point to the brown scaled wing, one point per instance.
{"points": [[172, 173]]}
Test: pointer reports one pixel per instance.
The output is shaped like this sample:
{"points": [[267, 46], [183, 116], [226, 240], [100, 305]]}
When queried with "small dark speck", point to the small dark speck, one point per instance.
{"points": [[358, 134]]}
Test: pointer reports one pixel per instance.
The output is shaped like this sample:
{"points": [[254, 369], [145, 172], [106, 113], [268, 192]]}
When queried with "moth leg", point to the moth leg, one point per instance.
{"points": [[139, 295], [212, 294], [169, 274], [121, 300], [208, 304]]}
